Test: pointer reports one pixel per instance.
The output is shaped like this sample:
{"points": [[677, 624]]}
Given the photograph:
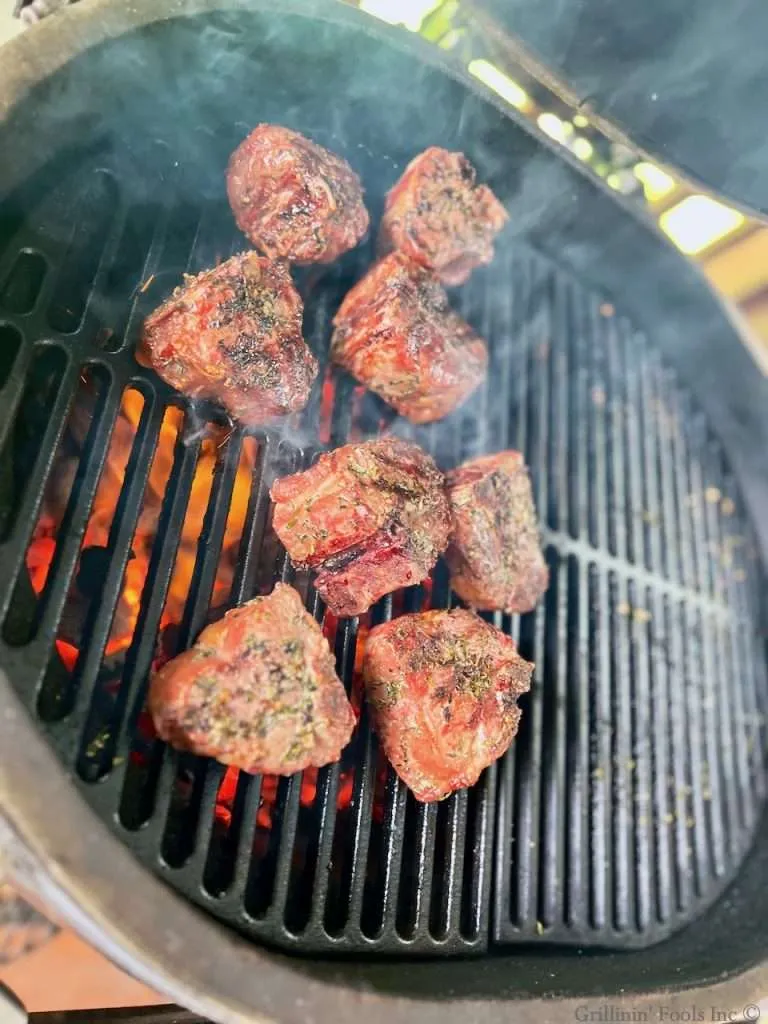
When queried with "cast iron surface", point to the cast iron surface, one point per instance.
{"points": [[613, 380], [685, 81], [79, 867]]}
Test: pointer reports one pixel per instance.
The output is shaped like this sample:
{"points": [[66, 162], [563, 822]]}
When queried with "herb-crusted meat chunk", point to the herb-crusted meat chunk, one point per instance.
{"points": [[438, 217], [443, 687], [495, 554], [369, 518], [233, 334], [396, 333], [294, 199], [258, 690]]}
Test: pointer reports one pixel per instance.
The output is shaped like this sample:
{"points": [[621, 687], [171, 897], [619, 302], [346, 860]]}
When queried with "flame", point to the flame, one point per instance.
{"points": [[97, 532], [68, 654]]}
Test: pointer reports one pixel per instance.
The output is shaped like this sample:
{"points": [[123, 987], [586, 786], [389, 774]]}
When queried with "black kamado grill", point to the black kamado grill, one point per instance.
{"points": [[619, 851]]}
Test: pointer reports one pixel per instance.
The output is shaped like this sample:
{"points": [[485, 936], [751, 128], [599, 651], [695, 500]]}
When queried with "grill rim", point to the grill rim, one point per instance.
{"points": [[58, 866]]}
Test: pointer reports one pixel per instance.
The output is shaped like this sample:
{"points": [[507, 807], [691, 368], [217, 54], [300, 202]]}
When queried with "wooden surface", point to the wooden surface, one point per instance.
{"points": [[66, 974]]}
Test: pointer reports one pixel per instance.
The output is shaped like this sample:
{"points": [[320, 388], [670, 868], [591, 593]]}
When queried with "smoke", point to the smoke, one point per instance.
{"points": [[159, 110]]}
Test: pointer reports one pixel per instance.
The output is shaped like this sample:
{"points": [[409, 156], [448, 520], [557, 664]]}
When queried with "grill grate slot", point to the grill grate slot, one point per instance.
{"points": [[547, 807], [22, 286], [24, 423], [648, 878], [10, 344], [663, 756], [445, 905], [261, 877], [80, 262], [412, 892], [577, 748], [184, 810], [386, 828], [121, 279], [60, 520], [635, 785], [34, 438], [218, 870], [619, 710]]}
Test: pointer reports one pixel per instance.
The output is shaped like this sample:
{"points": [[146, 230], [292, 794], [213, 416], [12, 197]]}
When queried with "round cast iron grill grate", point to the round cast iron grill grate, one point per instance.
{"points": [[634, 789]]}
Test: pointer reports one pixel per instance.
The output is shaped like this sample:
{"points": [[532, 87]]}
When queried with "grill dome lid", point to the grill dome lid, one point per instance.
{"points": [[684, 82]]}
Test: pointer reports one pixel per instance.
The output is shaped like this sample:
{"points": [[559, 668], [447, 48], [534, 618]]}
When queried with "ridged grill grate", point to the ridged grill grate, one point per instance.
{"points": [[633, 790]]}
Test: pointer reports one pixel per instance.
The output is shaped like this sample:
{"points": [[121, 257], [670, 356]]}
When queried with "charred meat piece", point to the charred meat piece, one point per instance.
{"points": [[396, 333], [234, 334], [294, 199], [368, 517], [258, 690], [438, 217], [443, 687], [495, 552]]}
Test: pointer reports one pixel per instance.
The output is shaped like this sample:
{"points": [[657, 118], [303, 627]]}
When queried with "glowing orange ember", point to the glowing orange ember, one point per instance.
{"points": [[39, 560], [97, 537], [358, 688], [326, 408], [346, 787], [225, 797], [308, 787], [269, 785], [68, 654]]}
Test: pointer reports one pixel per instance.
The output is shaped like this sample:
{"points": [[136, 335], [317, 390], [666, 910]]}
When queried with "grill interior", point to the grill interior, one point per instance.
{"points": [[128, 519]]}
